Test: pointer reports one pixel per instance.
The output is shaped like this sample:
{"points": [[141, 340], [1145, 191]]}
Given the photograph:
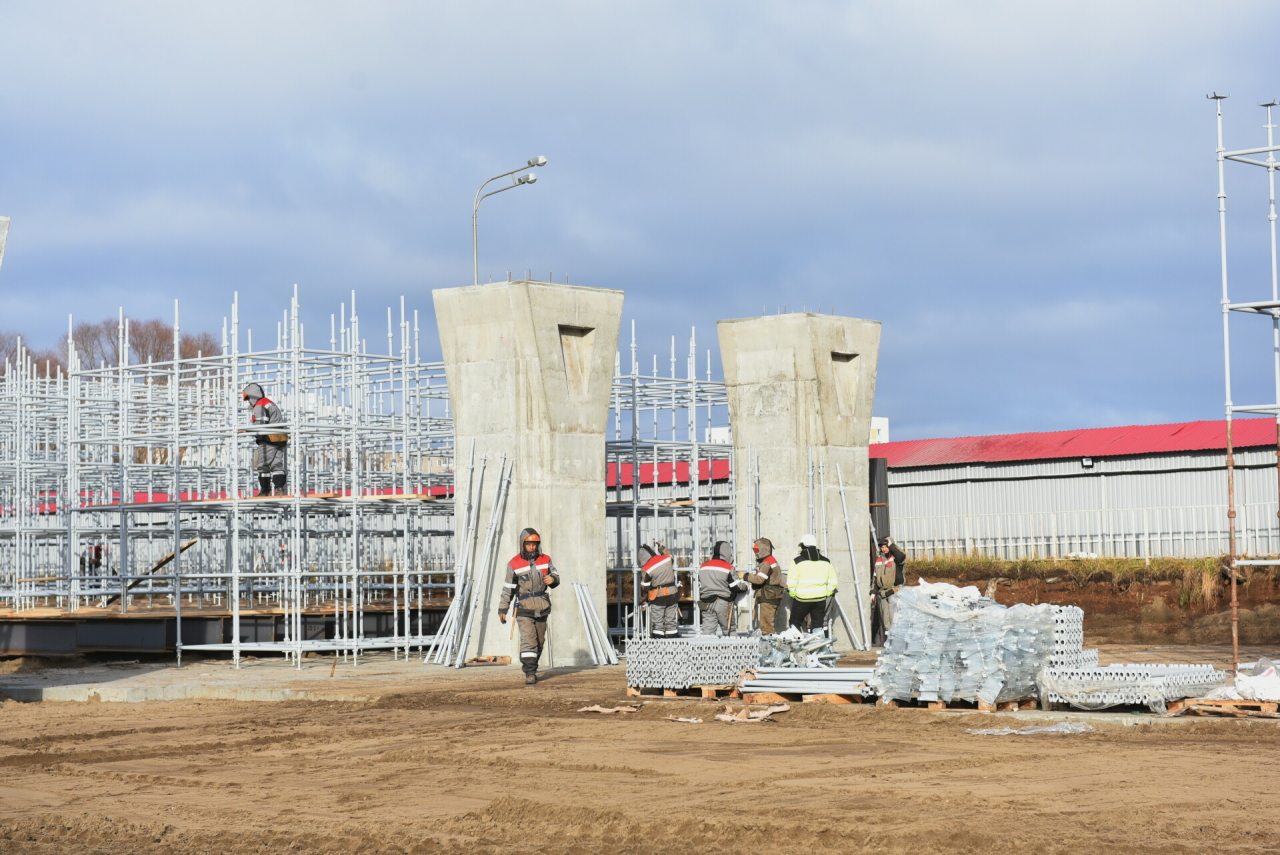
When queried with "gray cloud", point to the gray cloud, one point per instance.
{"points": [[1022, 193]]}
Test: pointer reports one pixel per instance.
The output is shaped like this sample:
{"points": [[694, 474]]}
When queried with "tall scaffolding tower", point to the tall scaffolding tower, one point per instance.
{"points": [[1268, 308], [669, 473]]}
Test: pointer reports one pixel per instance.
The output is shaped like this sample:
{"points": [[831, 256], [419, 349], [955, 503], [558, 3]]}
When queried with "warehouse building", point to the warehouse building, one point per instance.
{"points": [[1137, 491]]}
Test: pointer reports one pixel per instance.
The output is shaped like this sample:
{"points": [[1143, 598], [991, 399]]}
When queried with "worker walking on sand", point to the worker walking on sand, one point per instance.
{"points": [[661, 592], [769, 583], [886, 579], [530, 578], [811, 584], [270, 452], [717, 585]]}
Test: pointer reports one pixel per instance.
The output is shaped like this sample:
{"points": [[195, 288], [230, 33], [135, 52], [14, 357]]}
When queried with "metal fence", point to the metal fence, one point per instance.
{"points": [[1181, 532]]}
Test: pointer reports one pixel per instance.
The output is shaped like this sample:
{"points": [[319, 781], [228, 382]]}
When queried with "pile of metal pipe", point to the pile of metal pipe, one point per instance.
{"points": [[808, 681], [601, 648]]}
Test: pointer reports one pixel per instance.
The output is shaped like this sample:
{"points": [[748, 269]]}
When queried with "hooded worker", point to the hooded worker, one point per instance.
{"points": [[769, 582], [530, 578], [270, 453], [661, 592], [717, 586], [886, 579], [811, 584]]}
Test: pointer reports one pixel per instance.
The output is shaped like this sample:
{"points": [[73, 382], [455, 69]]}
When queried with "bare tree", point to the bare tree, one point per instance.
{"points": [[151, 341], [200, 344]]}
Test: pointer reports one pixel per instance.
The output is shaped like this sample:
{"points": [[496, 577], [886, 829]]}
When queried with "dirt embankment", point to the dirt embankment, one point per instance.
{"points": [[1124, 601]]}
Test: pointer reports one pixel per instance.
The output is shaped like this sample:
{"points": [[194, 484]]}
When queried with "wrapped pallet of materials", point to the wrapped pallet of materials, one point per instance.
{"points": [[948, 643]]}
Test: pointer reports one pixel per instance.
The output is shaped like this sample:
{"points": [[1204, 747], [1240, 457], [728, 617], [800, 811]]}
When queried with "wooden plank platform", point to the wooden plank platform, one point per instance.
{"points": [[1234, 709], [705, 692]]}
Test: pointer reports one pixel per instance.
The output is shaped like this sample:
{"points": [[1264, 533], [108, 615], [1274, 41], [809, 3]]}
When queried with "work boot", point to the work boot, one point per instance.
{"points": [[277, 483], [531, 679], [264, 485]]}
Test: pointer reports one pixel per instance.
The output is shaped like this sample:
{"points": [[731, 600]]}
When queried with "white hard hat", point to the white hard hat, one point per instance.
{"points": [[809, 540]]}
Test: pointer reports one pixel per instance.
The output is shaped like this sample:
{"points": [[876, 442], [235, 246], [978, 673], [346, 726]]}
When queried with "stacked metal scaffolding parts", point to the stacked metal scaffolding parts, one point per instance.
{"points": [[808, 681], [1068, 640], [948, 643], [678, 663], [473, 579], [601, 647], [132, 489], [792, 648], [669, 474], [1151, 686]]}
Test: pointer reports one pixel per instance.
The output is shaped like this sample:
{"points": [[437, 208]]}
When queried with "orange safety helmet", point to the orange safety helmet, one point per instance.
{"points": [[533, 538]]}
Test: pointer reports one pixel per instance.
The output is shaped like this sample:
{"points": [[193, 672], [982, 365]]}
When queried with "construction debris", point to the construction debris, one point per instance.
{"points": [[746, 714], [1060, 727], [683, 720], [600, 709], [793, 648]]}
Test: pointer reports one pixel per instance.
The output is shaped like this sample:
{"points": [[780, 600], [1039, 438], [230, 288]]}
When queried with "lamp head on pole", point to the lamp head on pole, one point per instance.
{"points": [[529, 178], [538, 161]]}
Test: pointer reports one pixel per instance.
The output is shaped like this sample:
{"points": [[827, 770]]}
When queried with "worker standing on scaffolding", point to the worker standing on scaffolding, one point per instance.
{"points": [[270, 452], [530, 578]]}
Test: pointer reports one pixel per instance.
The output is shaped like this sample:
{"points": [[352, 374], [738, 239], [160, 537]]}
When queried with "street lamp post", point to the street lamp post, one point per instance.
{"points": [[527, 178]]}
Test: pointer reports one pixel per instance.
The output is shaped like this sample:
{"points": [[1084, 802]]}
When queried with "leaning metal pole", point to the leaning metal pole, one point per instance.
{"points": [[1226, 358]]}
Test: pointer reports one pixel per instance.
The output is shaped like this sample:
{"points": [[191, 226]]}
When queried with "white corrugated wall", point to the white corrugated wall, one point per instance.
{"points": [[1138, 506]]}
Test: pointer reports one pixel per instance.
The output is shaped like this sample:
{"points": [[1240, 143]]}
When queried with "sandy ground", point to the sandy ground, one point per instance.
{"points": [[445, 761]]}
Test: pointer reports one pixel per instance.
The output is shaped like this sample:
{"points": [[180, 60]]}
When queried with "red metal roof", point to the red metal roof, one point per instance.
{"points": [[1091, 442], [715, 470]]}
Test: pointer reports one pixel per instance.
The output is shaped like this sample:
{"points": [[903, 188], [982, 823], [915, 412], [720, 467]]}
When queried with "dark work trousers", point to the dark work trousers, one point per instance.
{"points": [[533, 634], [815, 610]]}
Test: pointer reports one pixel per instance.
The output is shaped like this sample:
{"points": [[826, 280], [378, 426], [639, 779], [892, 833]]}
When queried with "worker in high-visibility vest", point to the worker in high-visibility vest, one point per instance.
{"points": [[886, 579], [811, 582]]}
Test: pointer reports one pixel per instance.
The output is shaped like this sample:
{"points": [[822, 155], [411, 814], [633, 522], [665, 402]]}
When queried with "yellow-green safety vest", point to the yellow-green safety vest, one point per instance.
{"points": [[811, 580]]}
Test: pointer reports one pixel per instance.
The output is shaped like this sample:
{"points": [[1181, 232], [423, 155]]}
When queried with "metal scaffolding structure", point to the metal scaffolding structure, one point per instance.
{"points": [[1269, 308], [128, 491], [669, 473]]}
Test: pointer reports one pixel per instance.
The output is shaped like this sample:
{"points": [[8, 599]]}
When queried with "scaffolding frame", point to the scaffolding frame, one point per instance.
{"points": [[669, 481], [1268, 308], [129, 489]]}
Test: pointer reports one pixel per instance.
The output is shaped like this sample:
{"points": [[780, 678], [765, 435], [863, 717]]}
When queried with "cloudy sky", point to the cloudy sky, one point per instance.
{"points": [[1024, 194]]}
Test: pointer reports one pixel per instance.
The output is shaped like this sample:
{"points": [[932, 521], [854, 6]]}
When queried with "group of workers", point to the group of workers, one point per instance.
{"points": [[810, 585]]}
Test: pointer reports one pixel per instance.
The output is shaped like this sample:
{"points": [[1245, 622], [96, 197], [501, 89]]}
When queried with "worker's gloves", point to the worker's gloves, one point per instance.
{"points": [[502, 616]]}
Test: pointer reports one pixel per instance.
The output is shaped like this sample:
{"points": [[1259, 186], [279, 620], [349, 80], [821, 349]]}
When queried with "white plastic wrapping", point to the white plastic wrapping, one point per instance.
{"points": [[948, 643]]}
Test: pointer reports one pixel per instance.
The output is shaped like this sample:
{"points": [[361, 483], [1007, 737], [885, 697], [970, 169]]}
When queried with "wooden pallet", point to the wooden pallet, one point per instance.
{"points": [[1236, 709], [982, 706], [796, 697], [706, 692]]}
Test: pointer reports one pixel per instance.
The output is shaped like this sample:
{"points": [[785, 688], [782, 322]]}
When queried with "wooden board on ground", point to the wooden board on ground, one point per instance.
{"points": [[488, 660], [1213, 706]]}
